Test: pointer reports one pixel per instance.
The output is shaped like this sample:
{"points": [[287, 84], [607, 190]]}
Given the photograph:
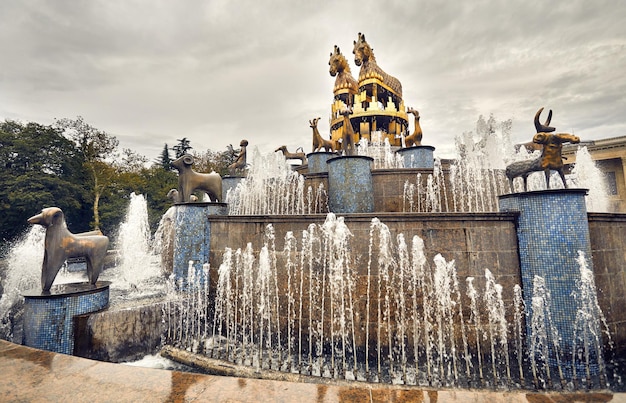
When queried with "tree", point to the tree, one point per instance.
{"points": [[95, 146], [182, 147], [213, 161], [40, 168], [165, 160]]}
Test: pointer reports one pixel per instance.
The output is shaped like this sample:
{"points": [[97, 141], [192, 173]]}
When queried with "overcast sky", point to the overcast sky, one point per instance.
{"points": [[218, 71]]}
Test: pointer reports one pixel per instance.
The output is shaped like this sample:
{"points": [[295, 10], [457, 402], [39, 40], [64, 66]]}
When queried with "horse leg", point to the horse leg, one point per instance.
{"points": [[562, 175], [547, 173]]}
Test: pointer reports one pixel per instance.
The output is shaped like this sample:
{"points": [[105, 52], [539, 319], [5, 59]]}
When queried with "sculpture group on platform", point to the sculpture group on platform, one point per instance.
{"points": [[372, 104], [550, 158]]}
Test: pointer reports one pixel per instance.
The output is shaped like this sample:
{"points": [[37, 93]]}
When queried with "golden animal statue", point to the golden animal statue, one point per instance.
{"points": [[550, 159], [298, 155], [344, 83], [318, 141], [61, 244], [347, 141], [364, 57], [415, 138]]}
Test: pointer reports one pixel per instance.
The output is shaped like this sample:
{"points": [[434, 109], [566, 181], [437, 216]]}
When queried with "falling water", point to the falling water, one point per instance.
{"points": [[587, 175], [23, 272], [587, 357], [381, 152], [138, 264], [272, 187], [402, 321]]}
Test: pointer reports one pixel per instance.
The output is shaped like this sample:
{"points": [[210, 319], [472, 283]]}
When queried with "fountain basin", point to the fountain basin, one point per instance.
{"points": [[49, 316]]}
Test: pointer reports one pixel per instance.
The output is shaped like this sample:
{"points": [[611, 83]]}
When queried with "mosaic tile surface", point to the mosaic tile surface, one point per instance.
{"points": [[350, 186], [552, 227], [418, 157], [48, 319]]}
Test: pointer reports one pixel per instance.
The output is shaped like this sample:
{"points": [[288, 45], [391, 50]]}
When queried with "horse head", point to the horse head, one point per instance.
{"points": [[281, 148], [362, 50], [337, 62]]}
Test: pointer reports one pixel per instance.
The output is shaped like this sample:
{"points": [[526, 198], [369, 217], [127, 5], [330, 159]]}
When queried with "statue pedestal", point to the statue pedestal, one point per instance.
{"points": [[192, 235], [229, 183], [418, 157], [551, 228], [350, 185], [49, 316], [317, 161]]}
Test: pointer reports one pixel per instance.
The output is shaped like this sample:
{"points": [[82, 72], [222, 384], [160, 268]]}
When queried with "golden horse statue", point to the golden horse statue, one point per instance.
{"points": [[340, 68], [364, 57]]}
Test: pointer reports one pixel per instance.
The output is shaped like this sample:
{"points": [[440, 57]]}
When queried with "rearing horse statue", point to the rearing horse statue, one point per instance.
{"points": [[364, 57]]}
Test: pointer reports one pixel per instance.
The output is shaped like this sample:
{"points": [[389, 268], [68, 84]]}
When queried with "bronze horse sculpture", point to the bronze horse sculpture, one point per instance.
{"points": [[550, 159]]}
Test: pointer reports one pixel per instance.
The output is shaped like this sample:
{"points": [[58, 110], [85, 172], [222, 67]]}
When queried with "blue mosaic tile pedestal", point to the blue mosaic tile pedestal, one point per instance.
{"points": [[229, 183], [49, 316], [350, 186], [418, 157], [192, 234], [551, 228], [317, 161]]}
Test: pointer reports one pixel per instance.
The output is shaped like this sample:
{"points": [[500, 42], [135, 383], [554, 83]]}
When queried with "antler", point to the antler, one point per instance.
{"points": [[543, 128]]}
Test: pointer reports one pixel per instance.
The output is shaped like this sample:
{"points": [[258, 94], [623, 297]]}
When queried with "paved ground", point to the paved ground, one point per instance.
{"points": [[30, 375]]}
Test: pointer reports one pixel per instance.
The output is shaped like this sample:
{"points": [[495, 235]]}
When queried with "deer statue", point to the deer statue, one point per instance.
{"points": [[298, 155], [318, 141], [347, 140], [550, 158], [414, 139]]}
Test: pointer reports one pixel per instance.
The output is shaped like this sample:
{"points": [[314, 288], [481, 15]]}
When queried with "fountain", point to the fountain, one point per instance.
{"points": [[440, 275]]}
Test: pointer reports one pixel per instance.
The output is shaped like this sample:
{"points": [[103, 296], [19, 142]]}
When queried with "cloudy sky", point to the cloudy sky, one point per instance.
{"points": [[218, 71]]}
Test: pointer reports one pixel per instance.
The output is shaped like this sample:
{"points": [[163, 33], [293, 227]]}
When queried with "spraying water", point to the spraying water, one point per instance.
{"points": [[587, 175], [23, 272], [400, 323], [272, 187]]}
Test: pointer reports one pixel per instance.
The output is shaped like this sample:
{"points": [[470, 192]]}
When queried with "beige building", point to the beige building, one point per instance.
{"points": [[610, 157]]}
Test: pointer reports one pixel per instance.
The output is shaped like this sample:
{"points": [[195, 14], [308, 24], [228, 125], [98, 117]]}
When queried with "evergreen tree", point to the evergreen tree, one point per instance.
{"points": [[182, 147], [165, 160]]}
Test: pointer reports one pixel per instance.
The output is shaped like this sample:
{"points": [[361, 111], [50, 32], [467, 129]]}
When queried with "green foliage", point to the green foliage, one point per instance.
{"points": [[76, 167], [213, 161], [40, 169], [182, 147]]}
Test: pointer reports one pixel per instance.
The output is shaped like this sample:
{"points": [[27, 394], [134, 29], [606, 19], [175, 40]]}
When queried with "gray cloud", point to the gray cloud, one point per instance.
{"points": [[150, 72]]}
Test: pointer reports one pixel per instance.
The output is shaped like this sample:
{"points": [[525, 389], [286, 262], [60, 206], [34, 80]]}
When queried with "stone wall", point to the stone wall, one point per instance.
{"points": [[608, 247], [474, 241]]}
